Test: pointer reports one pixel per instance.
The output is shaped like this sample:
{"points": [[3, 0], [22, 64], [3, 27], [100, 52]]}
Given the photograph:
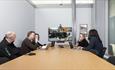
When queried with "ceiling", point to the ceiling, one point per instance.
{"points": [[50, 2]]}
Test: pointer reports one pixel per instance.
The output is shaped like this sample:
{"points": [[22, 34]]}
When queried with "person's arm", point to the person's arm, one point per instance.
{"points": [[15, 50], [30, 45], [39, 44], [82, 43], [85, 43], [79, 43], [4, 52], [91, 44]]}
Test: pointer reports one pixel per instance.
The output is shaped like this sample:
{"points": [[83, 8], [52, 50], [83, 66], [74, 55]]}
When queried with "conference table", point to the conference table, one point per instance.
{"points": [[56, 58]]}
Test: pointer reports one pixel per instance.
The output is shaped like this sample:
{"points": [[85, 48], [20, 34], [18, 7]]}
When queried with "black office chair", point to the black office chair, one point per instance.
{"points": [[111, 60], [110, 50]]}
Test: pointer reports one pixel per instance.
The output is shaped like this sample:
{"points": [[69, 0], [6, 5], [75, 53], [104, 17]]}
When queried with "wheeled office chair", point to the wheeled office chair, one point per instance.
{"points": [[111, 60]]}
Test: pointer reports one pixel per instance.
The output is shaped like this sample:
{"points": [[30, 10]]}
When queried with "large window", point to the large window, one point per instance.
{"points": [[112, 22]]}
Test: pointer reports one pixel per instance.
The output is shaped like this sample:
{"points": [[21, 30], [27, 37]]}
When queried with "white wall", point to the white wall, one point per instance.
{"points": [[52, 17], [83, 16], [18, 16]]}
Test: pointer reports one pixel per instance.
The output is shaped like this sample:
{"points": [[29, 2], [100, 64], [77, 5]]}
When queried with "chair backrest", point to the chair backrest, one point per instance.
{"points": [[104, 49], [110, 50], [113, 48]]}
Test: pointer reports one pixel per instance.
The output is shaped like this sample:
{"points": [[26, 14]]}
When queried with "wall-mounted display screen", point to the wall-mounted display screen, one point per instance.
{"points": [[60, 34]]}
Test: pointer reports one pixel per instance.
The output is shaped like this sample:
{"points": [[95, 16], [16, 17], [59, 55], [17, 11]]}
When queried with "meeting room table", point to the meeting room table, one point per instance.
{"points": [[55, 58]]}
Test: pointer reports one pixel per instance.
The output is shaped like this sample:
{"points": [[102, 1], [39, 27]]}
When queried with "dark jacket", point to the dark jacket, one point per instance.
{"points": [[8, 50], [95, 46], [37, 44], [83, 43], [27, 46]]}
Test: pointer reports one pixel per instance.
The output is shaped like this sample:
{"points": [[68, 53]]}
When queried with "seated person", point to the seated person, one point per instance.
{"points": [[27, 44], [95, 43], [39, 45], [7, 47], [82, 41], [37, 37], [60, 28]]}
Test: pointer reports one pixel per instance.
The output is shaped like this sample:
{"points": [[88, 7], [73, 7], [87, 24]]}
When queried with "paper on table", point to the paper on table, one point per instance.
{"points": [[44, 47]]}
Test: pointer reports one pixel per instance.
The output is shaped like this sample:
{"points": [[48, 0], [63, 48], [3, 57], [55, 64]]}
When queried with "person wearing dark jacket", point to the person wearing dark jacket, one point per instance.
{"points": [[27, 44], [95, 43], [7, 47], [82, 41]]}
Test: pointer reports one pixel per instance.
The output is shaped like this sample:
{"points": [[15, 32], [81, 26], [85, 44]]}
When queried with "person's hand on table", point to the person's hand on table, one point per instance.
{"points": [[79, 47]]}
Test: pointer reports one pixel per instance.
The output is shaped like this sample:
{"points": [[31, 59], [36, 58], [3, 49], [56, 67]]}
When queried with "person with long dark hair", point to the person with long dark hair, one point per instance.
{"points": [[37, 37], [95, 43]]}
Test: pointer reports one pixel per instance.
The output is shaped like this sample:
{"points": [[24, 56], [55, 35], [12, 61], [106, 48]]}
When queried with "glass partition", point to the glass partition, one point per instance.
{"points": [[111, 21]]}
